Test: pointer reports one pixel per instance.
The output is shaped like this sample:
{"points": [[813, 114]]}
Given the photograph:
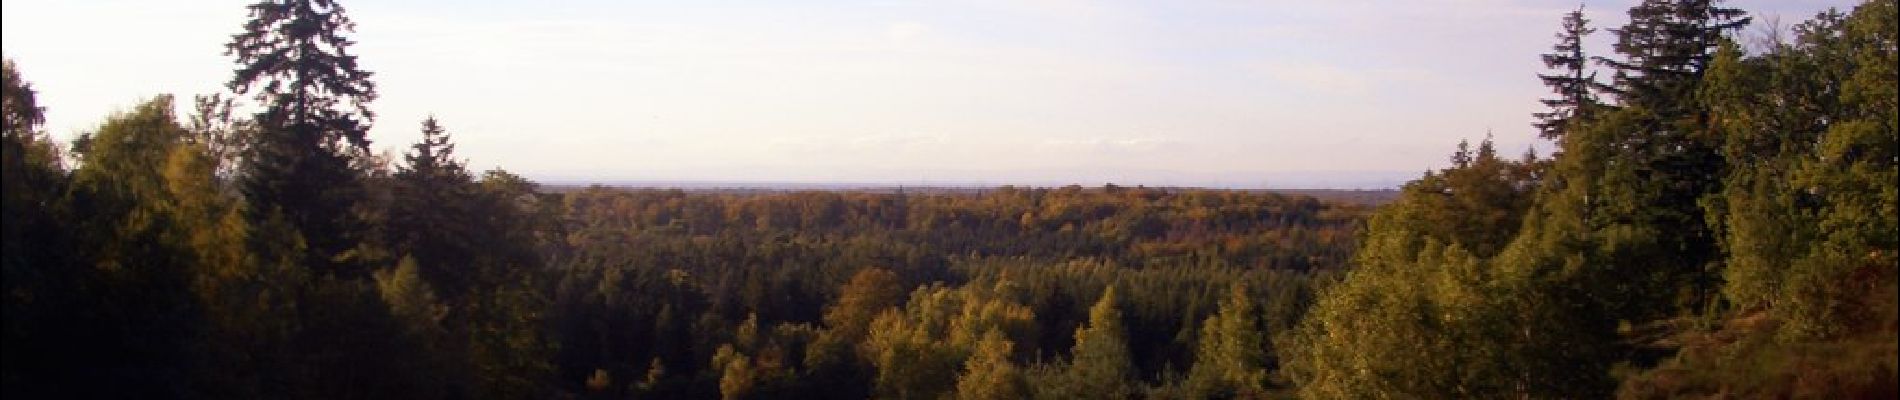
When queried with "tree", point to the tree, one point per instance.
{"points": [[1231, 358], [1477, 203], [736, 376], [31, 180], [1665, 47], [221, 133], [22, 115], [411, 299], [1101, 366], [31, 183], [1571, 83], [436, 214], [1854, 171], [1808, 201], [124, 310], [293, 57], [432, 159], [869, 293], [989, 374], [1449, 297], [911, 363]]}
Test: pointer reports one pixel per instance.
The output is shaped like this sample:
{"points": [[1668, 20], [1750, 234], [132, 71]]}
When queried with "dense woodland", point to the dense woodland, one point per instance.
{"points": [[1719, 219]]}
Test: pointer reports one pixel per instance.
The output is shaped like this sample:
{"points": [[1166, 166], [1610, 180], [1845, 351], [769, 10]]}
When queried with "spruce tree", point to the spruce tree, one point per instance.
{"points": [[1645, 203], [1665, 47], [433, 213], [1570, 82], [294, 59]]}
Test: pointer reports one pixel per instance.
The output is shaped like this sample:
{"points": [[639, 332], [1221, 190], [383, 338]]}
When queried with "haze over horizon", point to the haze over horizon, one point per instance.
{"points": [[1335, 94]]}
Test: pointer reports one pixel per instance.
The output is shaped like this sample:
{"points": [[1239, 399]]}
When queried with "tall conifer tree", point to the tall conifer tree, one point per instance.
{"points": [[433, 214], [1570, 81], [294, 59], [1647, 207], [1665, 47]]}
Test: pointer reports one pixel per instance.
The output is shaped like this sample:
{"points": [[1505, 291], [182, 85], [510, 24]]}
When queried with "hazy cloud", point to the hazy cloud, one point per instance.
{"points": [[901, 32]]}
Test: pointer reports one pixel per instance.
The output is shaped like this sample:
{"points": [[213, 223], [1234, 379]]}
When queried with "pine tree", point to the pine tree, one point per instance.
{"points": [[293, 58], [1571, 83]]}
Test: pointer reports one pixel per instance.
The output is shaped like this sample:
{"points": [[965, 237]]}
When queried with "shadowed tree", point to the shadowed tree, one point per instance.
{"points": [[294, 59], [433, 215], [1644, 197]]}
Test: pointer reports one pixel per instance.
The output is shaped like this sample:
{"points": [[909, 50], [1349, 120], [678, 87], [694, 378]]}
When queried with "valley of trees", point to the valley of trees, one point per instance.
{"points": [[1718, 220]]}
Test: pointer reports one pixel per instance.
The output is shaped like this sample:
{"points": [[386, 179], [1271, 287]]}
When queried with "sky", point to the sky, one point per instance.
{"points": [[1311, 94]]}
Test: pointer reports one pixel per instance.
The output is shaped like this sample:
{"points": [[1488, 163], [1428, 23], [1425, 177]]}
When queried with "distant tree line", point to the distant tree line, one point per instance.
{"points": [[1715, 221]]}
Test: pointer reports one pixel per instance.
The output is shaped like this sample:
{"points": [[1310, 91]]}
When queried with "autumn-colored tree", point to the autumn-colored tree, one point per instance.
{"points": [[870, 292], [989, 374]]}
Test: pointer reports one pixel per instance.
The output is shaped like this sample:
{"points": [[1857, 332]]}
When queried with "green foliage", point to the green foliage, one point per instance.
{"points": [[410, 298], [1232, 357], [273, 257], [1665, 46], [1852, 171], [1423, 316], [1808, 205], [294, 59], [1572, 83], [433, 195], [1712, 164], [989, 374], [917, 350], [910, 363], [1100, 366], [270, 256], [1477, 204]]}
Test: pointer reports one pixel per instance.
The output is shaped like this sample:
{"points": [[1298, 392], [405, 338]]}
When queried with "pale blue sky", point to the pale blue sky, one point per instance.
{"points": [[1346, 93]]}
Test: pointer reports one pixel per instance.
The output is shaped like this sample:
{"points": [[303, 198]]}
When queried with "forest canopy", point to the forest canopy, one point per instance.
{"points": [[1717, 219]]}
